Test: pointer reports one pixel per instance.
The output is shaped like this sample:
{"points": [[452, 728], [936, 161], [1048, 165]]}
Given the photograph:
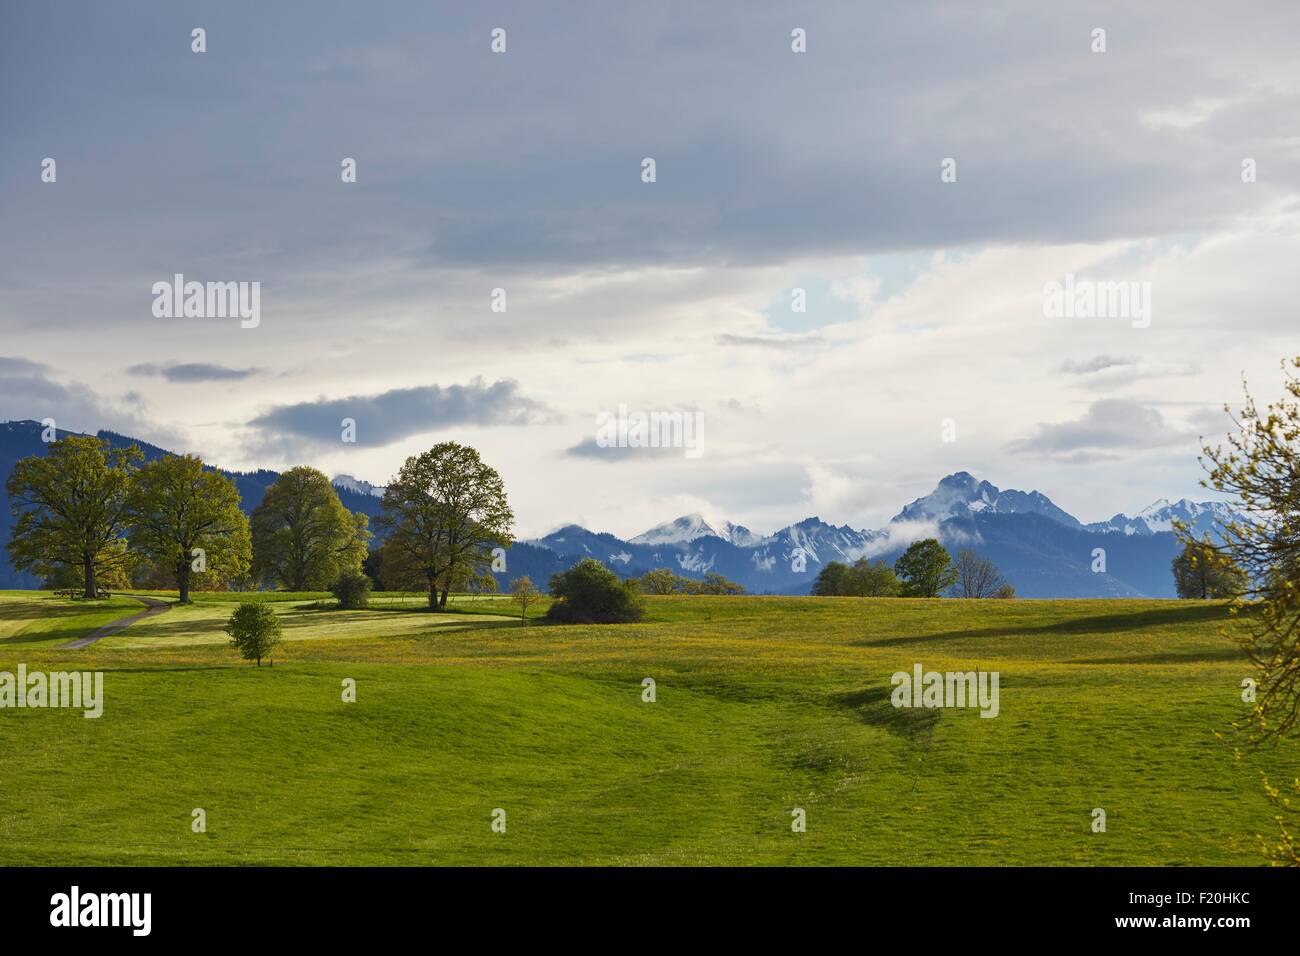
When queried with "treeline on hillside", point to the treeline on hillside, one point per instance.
{"points": [[90, 516], [664, 581], [925, 569]]}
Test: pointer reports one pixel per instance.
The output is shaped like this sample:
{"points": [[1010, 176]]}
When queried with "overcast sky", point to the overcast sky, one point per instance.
{"points": [[775, 171]]}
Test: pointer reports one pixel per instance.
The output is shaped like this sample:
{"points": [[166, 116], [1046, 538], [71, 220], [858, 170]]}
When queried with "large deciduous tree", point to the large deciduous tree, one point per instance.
{"points": [[70, 507], [443, 514], [303, 537], [925, 568], [188, 520]]}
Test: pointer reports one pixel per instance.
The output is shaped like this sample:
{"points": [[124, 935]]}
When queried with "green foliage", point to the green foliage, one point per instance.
{"points": [[112, 571], [1286, 851], [925, 569], [1203, 571], [482, 583], [254, 630], [187, 519], [590, 593], [352, 589], [443, 514], [872, 579], [663, 581], [1261, 467], [303, 537], [659, 581], [524, 593], [830, 579], [71, 509], [863, 579], [712, 583]]}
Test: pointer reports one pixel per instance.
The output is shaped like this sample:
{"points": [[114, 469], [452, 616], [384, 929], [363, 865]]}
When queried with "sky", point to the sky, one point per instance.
{"points": [[920, 176]]}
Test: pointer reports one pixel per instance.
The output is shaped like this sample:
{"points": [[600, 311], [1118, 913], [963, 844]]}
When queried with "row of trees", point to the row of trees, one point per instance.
{"points": [[925, 569], [664, 581], [1201, 570], [78, 508], [92, 513]]}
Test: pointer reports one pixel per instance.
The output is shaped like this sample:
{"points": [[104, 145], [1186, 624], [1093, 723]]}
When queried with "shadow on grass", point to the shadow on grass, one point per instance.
{"points": [[872, 706], [1228, 652], [1097, 624]]}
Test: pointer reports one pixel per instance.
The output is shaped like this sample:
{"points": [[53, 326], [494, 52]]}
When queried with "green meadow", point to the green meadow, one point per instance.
{"points": [[763, 705]]}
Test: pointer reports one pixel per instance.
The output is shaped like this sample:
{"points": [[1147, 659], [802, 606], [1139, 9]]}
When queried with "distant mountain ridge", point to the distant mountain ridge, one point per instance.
{"points": [[961, 495], [1041, 549]]}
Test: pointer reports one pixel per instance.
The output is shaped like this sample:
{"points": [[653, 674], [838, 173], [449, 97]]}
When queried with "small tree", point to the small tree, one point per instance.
{"points": [[254, 630], [714, 583], [871, 579], [590, 593], [659, 581], [977, 577], [925, 569], [525, 593], [830, 579], [1203, 571], [352, 588], [1006, 592]]}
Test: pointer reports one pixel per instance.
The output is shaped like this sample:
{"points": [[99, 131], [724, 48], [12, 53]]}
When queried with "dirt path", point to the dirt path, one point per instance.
{"points": [[154, 606]]}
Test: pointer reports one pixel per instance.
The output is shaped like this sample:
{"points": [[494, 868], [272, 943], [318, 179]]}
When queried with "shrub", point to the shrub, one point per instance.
{"points": [[590, 593], [254, 630], [352, 588]]}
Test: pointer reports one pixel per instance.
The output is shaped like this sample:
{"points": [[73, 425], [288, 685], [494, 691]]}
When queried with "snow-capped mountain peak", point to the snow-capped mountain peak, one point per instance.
{"points": [[689, 527], [737, 534], [1202, 517], [961, 495], [678, 531]]}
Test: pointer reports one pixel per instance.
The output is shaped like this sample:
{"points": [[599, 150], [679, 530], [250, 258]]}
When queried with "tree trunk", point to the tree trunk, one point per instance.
{"points": [[89, 564], [183, 580], [433, 593], [442, 603]]}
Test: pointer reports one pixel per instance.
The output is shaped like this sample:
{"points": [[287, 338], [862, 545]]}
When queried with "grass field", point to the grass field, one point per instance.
{"points": [[763, 704]]}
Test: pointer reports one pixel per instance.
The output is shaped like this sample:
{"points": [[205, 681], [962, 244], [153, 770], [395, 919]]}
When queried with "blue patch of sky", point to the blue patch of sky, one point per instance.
{"points": [[894, 273]]}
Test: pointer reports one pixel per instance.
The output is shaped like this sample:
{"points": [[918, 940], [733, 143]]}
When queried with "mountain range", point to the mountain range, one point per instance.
{"points": [[1040, 548]]}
